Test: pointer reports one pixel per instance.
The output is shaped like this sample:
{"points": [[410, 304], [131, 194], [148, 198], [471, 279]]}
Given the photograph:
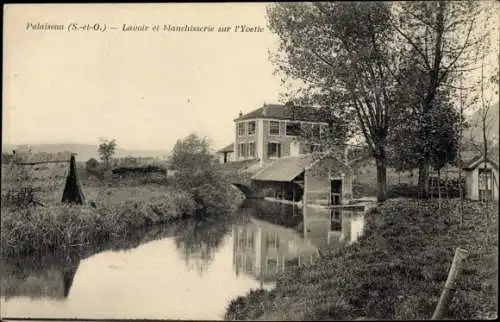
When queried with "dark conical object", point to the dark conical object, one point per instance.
{"points": [[72, 190]]}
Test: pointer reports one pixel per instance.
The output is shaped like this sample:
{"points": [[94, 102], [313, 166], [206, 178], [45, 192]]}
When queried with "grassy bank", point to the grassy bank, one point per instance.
{"points": [[114, 213], [111, 212], [397, 270]]}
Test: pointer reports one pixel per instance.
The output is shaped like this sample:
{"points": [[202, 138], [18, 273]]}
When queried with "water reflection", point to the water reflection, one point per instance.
{"points": [[330, 229], [190, 270], [276, 236], [198, 241], [50, 278], [263, 248]]}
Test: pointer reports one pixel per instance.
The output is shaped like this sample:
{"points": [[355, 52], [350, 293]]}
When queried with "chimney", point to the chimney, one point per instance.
{"points": [[241, 114], [264, 109]]}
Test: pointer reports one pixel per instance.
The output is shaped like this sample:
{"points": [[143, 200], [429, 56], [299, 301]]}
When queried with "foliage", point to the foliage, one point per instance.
{"points": [[415, 136], [91, 163], [344, 65], [106, 150], [198, 240], [198, 172], [396, 270], [438, 42]]}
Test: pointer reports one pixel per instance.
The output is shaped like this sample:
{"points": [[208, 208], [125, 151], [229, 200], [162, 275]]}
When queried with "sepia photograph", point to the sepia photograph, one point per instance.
{"points": [[250, 161]]}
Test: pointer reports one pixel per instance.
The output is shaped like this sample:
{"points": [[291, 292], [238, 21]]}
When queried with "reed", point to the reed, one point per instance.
{"points": [[112, 214]]}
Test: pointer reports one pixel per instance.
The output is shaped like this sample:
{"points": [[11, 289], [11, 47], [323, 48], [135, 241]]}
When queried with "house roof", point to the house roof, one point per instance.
{"points": [[42, 157], [282, 112], [238, 165], [284, 169], [227, 148], [473, 159], [37, 168], [472, 164]]}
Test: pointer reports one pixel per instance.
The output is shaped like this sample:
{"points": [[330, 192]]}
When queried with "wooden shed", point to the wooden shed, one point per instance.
{"points": [[481, 179]]}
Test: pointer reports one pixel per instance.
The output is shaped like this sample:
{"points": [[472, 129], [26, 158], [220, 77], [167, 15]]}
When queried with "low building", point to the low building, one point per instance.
{"points": [[481, 179], [306, 178], [226, 154]]}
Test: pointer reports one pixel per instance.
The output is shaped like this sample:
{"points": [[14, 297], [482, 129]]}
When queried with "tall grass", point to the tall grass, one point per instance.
{"points": [[60, 226]]}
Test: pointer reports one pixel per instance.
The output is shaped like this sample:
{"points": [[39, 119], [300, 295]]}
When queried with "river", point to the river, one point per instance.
{"points": [[191, 270]]}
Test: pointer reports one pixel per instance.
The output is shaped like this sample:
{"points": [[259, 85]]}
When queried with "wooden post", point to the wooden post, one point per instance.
{"points": [[450, 287], [304, 194]]}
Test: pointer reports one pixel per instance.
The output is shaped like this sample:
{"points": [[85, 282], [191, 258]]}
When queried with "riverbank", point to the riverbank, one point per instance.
{"points": [[110, 213], [397, 270]]}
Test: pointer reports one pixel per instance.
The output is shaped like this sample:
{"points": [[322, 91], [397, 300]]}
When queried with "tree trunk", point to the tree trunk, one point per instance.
{"points": [[381, 179], [423, 178], [485, 156], [447, 185], [439, 187]]}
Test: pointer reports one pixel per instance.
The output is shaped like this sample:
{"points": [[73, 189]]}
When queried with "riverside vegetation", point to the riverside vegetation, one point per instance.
{"points": [[397, 270], [115, 208]]}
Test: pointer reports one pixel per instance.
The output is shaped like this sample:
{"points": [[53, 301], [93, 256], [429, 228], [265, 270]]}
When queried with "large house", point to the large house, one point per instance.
{"points": [[268, 145], [271, 132]]}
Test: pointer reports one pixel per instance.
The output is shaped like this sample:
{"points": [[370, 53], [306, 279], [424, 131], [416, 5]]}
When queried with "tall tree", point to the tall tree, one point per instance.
{"points": [[442, 39], [106, 150], [434, 134], [486, 95], [341, 52]]}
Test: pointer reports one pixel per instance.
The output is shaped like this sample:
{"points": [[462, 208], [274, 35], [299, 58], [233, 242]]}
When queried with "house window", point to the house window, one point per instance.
{"points": [[274, 150], [250, 240], [485, 183], [293, 128], [241, 129], [315, 147], [242, 150], [251, 149], [251, 128], [316, 131], [323, 130], [272, 241], [246, 150], [272, 265], [274, 127]]}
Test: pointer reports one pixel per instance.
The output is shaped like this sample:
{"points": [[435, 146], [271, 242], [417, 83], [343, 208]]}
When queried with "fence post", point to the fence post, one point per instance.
{"points": [[450, 286]]}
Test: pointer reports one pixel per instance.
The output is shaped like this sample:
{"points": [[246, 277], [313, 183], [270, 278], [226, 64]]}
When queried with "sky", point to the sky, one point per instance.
{"points": [[145, 89]]}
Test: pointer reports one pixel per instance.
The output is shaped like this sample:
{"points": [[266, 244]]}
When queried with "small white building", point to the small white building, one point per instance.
{"points": [[481, 180]]}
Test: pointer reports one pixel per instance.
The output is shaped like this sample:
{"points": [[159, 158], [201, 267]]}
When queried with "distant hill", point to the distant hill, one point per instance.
{"points": [[87, 151]]}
